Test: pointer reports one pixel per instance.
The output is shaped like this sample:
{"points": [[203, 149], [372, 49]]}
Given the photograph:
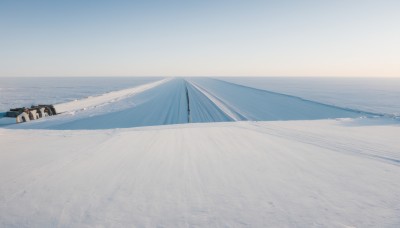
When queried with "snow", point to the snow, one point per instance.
{"points": [[228, 112], [26, 91], [255, 104], [377, 95], [326, 173], [6, 121], [187, 152], [180, 100], [103, 99]]}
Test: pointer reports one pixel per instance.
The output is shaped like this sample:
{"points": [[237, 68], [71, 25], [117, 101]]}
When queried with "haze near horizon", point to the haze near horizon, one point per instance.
{"points": [[200, 38]]}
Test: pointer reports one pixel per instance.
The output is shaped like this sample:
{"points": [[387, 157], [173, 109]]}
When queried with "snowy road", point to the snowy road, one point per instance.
{"points": [[235, 174], [216, 163], [254, 104], [179, 100]]}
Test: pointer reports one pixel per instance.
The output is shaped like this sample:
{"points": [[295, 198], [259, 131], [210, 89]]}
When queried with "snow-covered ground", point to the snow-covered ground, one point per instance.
{"points": [[103, 99], [178, 100], [378, 95], [200, 152], [18, 92], [321, 173]]}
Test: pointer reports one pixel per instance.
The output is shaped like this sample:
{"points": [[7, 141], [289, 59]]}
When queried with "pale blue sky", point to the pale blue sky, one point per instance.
{"points": [[200, 38]]}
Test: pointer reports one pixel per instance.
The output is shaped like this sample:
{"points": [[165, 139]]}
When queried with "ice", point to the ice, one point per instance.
{"points": [[198, 152], [255, 104], [378, 95], [184, 100], [94, 101], [19, 92]]}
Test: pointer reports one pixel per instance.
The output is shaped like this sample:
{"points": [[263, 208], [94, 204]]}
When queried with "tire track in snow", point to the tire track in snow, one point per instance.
{"points": [[262, 105], [229, 112], [179, 100], [159, 105], [202, 108], [187, 102], [303, 99]]}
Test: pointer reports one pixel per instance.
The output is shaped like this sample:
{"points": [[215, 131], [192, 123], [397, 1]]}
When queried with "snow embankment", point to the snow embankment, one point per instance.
{"points": [[324, 173], [228, 112], [246, 103], [105, 98], [179, 100], [377, 95]]}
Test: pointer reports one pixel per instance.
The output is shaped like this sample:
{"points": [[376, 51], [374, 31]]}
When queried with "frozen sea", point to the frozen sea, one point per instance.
{"points": [[19, 92], [201, 152], [377, 95]]}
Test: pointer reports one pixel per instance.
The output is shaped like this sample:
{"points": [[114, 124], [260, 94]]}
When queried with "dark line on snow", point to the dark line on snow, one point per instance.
{"points": [[187, 102]]}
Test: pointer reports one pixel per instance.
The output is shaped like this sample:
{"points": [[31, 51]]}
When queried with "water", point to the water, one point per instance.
{"points": [[24, 92]]}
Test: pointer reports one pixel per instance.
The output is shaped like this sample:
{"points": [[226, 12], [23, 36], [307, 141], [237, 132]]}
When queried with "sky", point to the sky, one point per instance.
{"points": [[200, 38]]}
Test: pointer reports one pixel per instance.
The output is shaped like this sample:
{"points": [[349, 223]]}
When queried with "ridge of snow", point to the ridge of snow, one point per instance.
{"points": [[105, 98], [166, 102], [235, 116]]}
